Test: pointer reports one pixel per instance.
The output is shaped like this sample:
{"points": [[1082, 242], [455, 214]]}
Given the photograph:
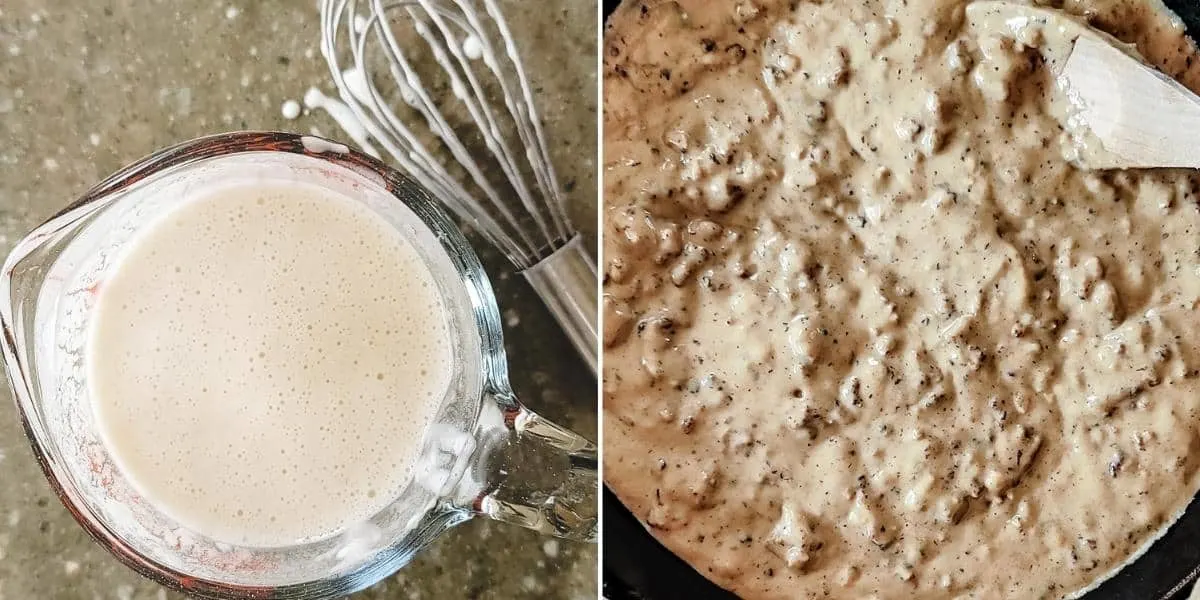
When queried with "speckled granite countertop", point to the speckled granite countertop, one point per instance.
{"points": [[87, 87]]}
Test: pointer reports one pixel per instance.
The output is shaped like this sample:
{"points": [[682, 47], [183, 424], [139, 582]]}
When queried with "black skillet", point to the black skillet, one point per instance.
{"points": [[637, 567]]}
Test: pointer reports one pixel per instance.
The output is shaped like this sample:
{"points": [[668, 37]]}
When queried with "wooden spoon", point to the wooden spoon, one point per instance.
{"points": [[1137, 116]]}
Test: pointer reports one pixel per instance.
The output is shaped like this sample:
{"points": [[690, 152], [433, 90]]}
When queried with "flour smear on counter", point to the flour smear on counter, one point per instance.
{"points": [[869, 334], [264, 361]]}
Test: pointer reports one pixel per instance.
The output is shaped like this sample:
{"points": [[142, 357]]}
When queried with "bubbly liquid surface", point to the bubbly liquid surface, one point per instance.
{"points": [[264, 361]]}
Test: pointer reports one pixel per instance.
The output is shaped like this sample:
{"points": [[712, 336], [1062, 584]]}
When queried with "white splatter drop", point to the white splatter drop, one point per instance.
{"points": [[290, 109], [512, 318], [124, 592], [14, 518], [550, 547], [50, 164], [231, 12], [472, 48], [70, 567], [94, 139]]}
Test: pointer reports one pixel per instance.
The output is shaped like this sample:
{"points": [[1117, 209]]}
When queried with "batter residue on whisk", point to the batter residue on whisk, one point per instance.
{"points": [[868, 334]]}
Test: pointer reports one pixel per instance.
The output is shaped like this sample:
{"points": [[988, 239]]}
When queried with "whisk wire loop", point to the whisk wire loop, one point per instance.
{"points": [[425, 77], [527, 221]]}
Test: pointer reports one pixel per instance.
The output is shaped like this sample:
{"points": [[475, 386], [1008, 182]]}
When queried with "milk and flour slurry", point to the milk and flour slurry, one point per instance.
{"points": [[264, 361]]}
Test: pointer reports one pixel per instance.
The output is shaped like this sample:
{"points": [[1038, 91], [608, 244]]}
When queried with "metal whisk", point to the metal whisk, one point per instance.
{"points": [[477, 93]]}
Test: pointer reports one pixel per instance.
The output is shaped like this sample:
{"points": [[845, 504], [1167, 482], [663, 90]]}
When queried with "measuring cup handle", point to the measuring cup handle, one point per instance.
{"points": [[538, 475]]}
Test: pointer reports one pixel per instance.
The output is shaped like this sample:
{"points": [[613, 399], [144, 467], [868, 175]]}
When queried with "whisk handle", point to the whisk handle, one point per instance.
{"points": [[566, 281]]}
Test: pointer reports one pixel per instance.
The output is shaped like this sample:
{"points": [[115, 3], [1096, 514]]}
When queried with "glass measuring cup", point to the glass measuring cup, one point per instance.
{"points": [[477, 458]]}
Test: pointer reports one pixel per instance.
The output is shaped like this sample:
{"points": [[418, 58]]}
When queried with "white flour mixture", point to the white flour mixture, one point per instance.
{"points": [[264, 362]]}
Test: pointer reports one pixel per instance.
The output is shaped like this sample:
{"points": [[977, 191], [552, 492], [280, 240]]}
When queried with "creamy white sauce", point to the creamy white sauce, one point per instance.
{"points": [[869, 332]]}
